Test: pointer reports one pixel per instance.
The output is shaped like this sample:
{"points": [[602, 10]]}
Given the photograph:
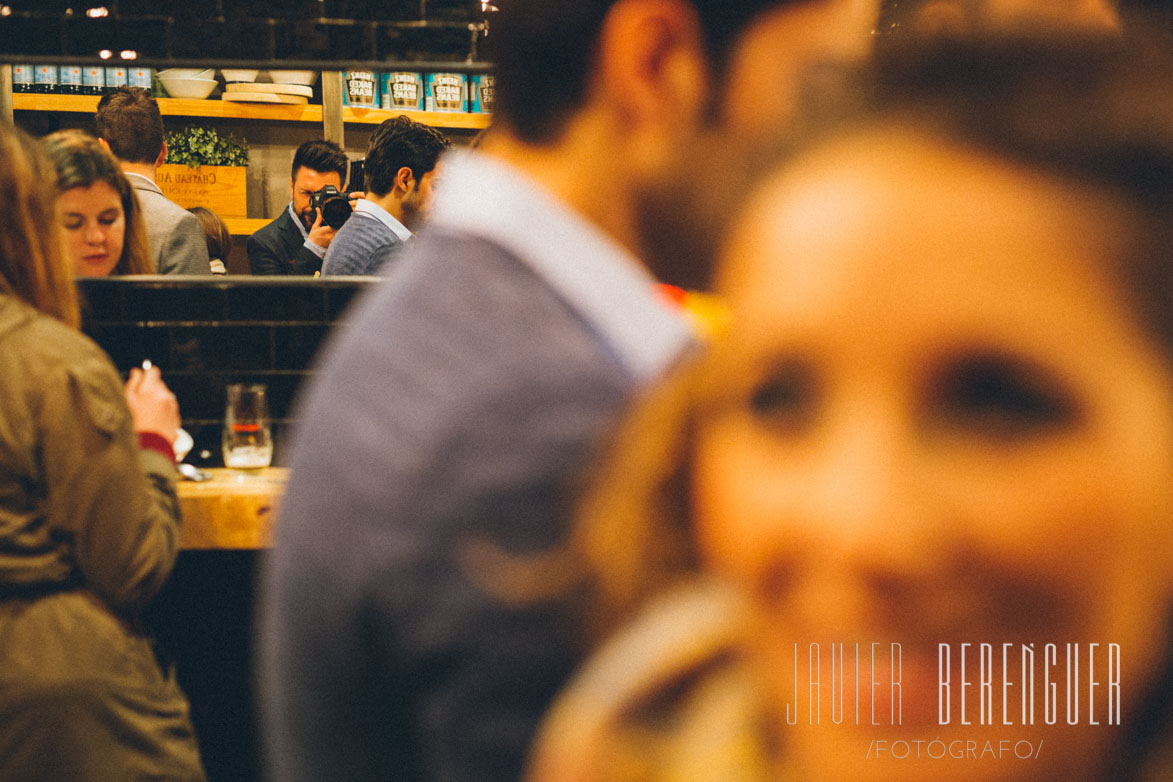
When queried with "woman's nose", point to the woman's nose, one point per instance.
{"points": [[871, 499], [95, 233]]}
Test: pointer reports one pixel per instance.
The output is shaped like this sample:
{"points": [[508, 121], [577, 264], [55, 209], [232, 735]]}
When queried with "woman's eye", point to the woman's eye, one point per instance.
{"points": [[73, 223], [109, 218], [1003, 397], [785, 396]]}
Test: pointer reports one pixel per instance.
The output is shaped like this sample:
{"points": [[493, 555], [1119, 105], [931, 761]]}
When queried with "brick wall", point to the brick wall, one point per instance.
{"points": [[204, 334]]}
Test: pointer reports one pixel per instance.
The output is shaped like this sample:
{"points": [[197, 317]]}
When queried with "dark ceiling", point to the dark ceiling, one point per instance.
{"points": [[334, 34]]}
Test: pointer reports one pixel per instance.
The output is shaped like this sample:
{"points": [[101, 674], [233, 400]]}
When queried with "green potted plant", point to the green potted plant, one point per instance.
{"points": [[203, 168]]}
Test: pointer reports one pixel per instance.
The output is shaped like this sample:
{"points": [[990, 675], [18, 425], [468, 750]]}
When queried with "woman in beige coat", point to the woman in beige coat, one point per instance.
{"points": [[89, 522]]}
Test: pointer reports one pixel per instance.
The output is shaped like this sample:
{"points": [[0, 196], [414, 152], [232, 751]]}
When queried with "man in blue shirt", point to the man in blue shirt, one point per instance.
{"points": [[456, 410], [400, 167]]}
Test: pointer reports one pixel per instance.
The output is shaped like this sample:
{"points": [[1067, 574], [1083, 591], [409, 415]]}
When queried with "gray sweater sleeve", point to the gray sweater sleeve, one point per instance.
{"points": [[361, 246]]}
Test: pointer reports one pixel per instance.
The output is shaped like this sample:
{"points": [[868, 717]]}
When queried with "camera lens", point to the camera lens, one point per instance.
{"points": [[336, 211]]}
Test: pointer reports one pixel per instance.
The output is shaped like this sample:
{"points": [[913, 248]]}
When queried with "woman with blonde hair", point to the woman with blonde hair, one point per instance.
{"points": [[100, 213], [912, 517], [89, 521]]}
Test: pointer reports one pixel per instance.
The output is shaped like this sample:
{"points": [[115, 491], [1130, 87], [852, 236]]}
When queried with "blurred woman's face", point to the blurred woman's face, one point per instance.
{"points": [[941, 425], [94, 227]]}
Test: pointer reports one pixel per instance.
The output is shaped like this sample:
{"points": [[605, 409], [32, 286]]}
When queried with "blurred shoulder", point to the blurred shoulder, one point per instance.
{"points": [[468, 307], [37, 342], [470, 279], [669, 697]]}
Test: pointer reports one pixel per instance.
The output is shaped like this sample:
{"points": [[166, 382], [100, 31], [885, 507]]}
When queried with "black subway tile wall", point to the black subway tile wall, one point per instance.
{"points": [[204, 334]]}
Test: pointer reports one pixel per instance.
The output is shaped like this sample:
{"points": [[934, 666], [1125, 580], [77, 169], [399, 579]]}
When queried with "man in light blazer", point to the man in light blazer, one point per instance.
{"points": [[130, 126]]}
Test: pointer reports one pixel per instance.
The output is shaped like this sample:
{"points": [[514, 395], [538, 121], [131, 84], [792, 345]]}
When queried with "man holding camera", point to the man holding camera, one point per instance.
{"points": [[400, 167], [296, 242]]}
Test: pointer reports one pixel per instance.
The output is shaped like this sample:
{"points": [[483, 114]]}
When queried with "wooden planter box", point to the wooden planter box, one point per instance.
{"points": [[219, 188]]}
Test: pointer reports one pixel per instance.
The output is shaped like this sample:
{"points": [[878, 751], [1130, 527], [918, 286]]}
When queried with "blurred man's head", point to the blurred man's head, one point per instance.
{"points": [[552, 56], [128, 120], [316, 164], [401, 165], [934, 17], [615, 103]]}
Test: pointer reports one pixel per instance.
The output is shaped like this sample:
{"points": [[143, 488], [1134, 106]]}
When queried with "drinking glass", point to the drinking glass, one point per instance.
{"points": [[248, 437]]}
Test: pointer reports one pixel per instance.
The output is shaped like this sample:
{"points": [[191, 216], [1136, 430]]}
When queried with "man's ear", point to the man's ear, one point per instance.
{"points": [[162, 155], [652, 61], [105, 144], [404, 180]]}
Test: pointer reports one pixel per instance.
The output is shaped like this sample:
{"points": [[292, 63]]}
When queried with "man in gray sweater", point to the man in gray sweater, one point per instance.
{"points": [[454, 412], [400, 167]]}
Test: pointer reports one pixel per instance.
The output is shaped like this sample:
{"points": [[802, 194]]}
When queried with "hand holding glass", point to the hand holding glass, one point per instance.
{"points": [[248, 439]]}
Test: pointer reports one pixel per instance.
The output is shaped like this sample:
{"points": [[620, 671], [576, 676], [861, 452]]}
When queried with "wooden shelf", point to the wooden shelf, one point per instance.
{"points": [[245, 226], [437, 119], [221, 109]]}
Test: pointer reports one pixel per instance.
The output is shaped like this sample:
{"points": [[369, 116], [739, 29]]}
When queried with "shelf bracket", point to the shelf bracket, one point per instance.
{"points": [[333, 127], [6, 94]]}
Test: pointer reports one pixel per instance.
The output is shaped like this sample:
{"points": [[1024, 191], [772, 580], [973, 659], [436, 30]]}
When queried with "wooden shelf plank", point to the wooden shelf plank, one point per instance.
{"points": [[311, 112], [245, 226], [75, 103], [437, 119], [178, 107]]}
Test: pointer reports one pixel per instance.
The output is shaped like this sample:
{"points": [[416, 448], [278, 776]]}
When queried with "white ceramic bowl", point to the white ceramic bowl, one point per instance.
{"points": [[188, 88], [294, 77], [188, 73], [239, 74]]}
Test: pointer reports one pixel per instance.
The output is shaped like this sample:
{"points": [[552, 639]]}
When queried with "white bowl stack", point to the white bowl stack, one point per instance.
{"points": [[306, 78], [232, 75], [195, 83], [293, 87]]}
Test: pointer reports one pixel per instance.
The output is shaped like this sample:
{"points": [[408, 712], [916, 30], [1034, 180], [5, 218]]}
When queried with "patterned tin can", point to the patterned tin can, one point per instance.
{"points": [[93, 79], [139, 76], [360, 89], [401, 90], [480, 93], [45, 78], [22, 78], [69, 79], [445, 91], [116, 76]]}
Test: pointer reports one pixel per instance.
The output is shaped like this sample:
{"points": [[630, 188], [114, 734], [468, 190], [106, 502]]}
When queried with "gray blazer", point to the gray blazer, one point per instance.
{"points": [[177, 240]]}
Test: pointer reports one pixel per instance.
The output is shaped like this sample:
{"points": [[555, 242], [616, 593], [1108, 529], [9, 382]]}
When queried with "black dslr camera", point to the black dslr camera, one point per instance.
{"points": [[334, 206]]}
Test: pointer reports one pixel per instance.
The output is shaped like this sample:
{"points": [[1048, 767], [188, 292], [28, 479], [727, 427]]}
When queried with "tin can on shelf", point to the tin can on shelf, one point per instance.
{"points": [[45, 79], [116, 76], [401, 90], [445, 91], [93, 79], [360, 89], [69, 79], [480, 93], [22, 78], [139, 76]]}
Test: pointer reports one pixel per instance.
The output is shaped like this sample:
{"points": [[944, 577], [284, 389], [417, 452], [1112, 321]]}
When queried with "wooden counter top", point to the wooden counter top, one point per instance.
{"points": [[234, 510]]}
